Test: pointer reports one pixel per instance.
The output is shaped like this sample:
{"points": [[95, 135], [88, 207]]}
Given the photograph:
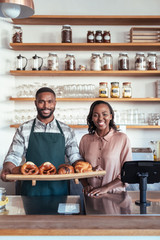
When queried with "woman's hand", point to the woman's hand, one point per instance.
{"points": [[98, 191], [87, 189]]}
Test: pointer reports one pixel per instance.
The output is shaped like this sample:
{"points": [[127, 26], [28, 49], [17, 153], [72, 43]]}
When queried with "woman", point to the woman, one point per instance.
{"points": [[105, 148]]}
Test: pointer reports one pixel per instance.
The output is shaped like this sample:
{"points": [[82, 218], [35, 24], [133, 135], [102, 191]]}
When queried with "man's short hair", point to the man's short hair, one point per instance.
{"points": [[45, 89]]}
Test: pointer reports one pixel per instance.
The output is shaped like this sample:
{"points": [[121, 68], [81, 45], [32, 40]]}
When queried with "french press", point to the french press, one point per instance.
{"points": [[21, 62], [37, 62]]}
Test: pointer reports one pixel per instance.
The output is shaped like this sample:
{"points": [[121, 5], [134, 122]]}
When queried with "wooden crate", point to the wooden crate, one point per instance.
{"points": [[144, 34]]}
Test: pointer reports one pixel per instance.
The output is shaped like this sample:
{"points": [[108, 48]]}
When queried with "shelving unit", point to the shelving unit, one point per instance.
{"points": [[90, 20], [85, 126], [85, 46], [132, 73], [92, 99]]}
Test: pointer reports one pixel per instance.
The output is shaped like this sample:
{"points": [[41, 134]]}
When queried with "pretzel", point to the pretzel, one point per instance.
{"points": [[29, 168], [81, 167], [47, 168], [65, 169]]}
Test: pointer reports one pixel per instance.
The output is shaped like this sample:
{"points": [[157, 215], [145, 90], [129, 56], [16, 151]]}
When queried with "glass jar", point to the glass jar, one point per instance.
{"points": [[126, 90], [70, 62], [103, 90], [107, 61], [2, 198], [106, 37], [66, 34], [115, 91], [152, 61], [95, 62], [52, 62], [140, 61], [17, 34], [123, 61], [98, 36], [90, 37]]}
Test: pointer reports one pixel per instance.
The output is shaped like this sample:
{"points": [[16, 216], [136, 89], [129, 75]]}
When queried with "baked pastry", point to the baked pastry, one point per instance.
{"points": [[65, 169], [29, 168], [47, 168], [82, 167]]}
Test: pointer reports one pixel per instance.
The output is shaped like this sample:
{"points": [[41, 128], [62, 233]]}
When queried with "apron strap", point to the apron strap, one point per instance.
{"points": [[59, 127]]}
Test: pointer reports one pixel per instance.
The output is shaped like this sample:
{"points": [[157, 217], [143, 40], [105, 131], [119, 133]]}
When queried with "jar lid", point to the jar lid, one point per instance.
{"points": [[16, 26], [126, 83], [107, 54], [54, 54], [115, 83], [103, 83], [70, 54], [152, 53], [98, 54], [140, 53], [66, 26], [98, 31], [123, 53]]}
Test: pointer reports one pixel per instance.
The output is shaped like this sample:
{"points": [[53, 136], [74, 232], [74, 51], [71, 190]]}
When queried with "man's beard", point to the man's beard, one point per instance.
{"points": [[45, 116]]}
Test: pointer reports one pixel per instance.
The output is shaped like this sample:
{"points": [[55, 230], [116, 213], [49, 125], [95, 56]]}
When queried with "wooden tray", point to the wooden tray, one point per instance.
{"points": [[55, 177]]}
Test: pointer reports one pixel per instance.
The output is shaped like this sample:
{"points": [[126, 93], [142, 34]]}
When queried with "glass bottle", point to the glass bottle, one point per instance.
{"points": [[98, 36], [90, 37], [126, 90], [2, 197], [106, 37], [123, 61], [66, 34], [107, 61], [115, 91], [17, 34], [140, 61], [152, 61], [70, 62], [103, 90], [52, 62], [95, 62]]}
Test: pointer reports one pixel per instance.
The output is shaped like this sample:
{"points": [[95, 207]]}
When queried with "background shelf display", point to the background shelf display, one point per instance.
{"points": [[85, 73], [89, 20], [85, 46]]}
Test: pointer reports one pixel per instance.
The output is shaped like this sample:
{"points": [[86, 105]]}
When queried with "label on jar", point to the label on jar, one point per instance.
{"points": [[103, 92], [106, 37], [127, 92], [98, 38], [91, 37], [115, 92]]}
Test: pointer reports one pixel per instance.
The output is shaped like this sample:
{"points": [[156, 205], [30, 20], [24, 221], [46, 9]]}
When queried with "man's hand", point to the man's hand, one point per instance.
{"points": [[7, 169]]}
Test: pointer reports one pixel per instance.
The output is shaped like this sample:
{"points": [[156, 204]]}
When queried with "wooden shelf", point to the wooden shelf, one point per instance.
{"points": [[88, 20], [85, 126], [92, 99], [85, 46], [86, 73]]}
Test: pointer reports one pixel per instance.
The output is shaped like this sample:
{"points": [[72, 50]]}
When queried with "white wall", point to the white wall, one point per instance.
{"points": [[142, 87]]}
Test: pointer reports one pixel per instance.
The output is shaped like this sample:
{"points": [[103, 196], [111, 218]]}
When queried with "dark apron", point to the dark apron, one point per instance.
{"points": [[45, 147]]}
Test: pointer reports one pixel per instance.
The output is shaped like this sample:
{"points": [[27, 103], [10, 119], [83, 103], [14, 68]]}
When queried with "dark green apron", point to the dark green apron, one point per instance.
{"points": [[45, 147]]}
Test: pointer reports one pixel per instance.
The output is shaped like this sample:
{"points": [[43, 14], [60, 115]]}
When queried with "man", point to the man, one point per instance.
{"points": [[40, 140]]}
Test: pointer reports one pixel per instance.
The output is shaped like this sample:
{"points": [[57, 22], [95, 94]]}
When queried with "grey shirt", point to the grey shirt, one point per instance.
{"points": [[19, 145]]}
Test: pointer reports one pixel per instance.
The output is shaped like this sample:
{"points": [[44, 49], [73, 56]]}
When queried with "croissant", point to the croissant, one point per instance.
{"points": [[47, 168], [81, 167], [29, 168], [65, 169]]}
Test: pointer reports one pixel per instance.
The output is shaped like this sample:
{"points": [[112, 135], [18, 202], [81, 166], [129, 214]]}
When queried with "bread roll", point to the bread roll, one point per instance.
{"points": [[65, 169], [82, 167]]}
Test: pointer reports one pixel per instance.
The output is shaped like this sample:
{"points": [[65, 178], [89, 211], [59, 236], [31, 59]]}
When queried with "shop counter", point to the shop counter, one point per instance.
{"points": [[107, 215]]}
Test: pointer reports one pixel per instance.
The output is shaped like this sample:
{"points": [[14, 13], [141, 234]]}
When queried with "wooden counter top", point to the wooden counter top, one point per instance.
{"points": [[84, 225]]}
